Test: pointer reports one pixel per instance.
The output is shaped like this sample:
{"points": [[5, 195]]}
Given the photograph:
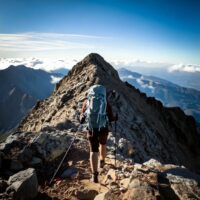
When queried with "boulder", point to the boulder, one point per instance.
{"points": [[51, 145], [184, 183], [23, 185], [88, 194], [152, 163], [125, 183], [110, 176], [140, 190]]}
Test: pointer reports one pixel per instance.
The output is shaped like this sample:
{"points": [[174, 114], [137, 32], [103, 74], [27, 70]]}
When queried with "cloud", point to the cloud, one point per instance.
{"points": [[184, 68], [55, 79], [129, 64], [148, 85], [36, 63], [46, 41]]}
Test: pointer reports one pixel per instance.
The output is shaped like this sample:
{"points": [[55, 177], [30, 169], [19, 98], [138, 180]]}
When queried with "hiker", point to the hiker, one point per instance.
{"points": [[97, 112]]}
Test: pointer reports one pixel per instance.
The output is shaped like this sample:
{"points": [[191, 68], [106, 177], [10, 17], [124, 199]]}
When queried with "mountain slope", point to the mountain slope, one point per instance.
{"points": [[153, 131], [20, 89], [170, 94]]}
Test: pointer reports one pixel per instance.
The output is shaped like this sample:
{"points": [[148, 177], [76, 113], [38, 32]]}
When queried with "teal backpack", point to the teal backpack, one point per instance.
{"points": [[96, 116]]}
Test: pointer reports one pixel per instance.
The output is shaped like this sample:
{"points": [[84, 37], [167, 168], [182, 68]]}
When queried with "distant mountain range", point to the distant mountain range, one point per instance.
{"points": [[21, 87], [182, 78], [170, 94], [60, 71]]}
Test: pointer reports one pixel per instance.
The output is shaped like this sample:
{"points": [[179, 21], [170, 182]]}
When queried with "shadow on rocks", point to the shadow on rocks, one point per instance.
{"points": [[165, 190], [44, 196]]}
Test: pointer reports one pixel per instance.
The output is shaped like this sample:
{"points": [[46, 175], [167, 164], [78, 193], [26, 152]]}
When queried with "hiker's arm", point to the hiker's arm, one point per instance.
{"points": [[82, 116], [84, 107]]}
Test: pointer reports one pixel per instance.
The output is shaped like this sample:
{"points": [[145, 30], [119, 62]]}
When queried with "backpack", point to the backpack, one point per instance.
{"points": [[96, 116]]}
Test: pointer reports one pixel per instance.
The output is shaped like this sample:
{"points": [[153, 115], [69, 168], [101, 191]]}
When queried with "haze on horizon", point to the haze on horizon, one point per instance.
{"points": [[158, 31]]}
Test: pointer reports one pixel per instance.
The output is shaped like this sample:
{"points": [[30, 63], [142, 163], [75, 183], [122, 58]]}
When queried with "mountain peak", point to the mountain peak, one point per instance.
{"points": [[94, 69], [94, 57]]}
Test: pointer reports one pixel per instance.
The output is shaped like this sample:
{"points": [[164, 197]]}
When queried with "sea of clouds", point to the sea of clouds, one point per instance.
{"points": [[36, 63]]}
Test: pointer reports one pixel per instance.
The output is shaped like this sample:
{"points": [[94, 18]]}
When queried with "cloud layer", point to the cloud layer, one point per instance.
{"points": [[45, 41], [184, 68], [45, 64]]}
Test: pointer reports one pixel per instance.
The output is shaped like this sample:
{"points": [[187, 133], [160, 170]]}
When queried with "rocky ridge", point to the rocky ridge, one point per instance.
{"points": [[154, 131], [155, 145]]}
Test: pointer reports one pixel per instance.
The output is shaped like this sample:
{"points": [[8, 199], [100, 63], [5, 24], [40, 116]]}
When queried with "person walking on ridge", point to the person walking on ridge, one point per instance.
{"points": [[97, 112]]}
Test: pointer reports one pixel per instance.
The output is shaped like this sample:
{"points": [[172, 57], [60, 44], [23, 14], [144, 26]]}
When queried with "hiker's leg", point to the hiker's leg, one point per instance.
{"points": [[94, 149], [102, 151], [102, 140], [94, 161]]}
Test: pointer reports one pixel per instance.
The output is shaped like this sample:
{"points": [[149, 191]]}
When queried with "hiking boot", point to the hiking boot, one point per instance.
{"points": [[94, 177], [102, 163]]}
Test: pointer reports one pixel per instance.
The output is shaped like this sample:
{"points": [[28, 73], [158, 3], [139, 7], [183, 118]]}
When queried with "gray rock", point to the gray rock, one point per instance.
{"points": [[140, 190], [184, 183], [152, 163], [88, 194], [69, 173], [23, 185], [51, 145], [16, 165], [11, 141]]}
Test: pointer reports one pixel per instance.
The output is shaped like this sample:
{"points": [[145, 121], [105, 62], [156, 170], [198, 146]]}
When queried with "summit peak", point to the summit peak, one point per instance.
{"points": [[95, 67]]}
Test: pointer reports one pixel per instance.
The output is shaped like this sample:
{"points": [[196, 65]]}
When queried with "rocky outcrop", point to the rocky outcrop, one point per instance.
{"points": [[152, 180], [21, 186], [28, 149]]}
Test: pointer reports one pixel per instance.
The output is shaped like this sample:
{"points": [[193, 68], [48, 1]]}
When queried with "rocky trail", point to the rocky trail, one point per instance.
{"points": [[128, 180]]}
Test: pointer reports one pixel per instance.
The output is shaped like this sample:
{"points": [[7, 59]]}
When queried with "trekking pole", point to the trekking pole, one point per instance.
{"points": [[115, 130], [56, 171], [29, 144]]}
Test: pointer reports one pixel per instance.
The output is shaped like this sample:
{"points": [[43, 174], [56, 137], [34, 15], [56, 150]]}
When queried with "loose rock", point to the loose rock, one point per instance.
{"points": [[23, 185]]}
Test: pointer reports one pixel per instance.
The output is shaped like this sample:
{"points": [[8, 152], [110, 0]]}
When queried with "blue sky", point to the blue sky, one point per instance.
{"points": [[148, 30]]}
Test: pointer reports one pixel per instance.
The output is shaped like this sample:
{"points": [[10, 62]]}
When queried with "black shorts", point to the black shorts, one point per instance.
{"points": [[97, 137]]}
